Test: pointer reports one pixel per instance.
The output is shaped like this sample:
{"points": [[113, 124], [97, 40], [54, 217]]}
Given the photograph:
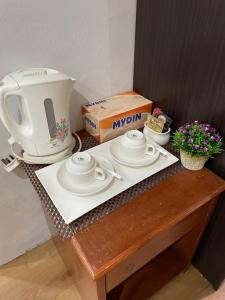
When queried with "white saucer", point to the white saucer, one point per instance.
{"points": [[121, 158], [84, 189]]}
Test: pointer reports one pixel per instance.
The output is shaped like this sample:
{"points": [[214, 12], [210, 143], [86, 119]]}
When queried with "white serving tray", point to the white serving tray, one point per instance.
{"points": [[71, 207]]}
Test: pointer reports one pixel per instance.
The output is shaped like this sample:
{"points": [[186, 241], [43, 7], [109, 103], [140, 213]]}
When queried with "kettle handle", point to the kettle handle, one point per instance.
{"points": [[5, 115]]}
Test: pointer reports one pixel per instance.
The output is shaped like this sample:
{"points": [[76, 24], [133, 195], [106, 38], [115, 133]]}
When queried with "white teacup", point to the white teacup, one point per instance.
{"points": [[82, 168], [133, 144]]}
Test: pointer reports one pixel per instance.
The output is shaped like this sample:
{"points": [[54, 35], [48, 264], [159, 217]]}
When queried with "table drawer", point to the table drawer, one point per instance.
{"points": [[153, 248]]}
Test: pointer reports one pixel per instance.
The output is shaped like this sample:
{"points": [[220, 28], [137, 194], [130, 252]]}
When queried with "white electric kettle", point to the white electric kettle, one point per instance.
{"points": [[43, 98]]}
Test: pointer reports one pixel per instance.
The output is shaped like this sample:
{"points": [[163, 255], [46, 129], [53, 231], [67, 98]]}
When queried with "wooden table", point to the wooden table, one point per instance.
{"points": [[135, 250]]}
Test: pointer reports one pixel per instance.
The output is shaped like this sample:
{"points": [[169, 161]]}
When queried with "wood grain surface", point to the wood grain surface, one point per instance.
{"points": [[40, 274], [180, 65], [150, 278], [111, 240]]}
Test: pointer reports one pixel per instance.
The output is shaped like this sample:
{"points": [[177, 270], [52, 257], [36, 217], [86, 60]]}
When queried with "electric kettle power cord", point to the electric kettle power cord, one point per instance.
{"points": [[41, 161], [79, 141]]}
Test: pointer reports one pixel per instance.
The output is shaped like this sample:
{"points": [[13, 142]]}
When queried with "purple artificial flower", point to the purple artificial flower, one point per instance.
{"points": [[198, 138], [206, 125], [217, 138]]}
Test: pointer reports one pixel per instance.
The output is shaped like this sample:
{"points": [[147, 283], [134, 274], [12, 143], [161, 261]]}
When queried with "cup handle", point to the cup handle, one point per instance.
{"points": [[150, 149], [99, 174]]}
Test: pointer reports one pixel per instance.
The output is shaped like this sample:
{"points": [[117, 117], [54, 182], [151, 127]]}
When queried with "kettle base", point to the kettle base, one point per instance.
{"points": [[49, 159]]}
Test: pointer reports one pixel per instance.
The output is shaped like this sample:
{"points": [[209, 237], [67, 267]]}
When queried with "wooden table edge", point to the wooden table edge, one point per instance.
{"points": [[98, 273]]}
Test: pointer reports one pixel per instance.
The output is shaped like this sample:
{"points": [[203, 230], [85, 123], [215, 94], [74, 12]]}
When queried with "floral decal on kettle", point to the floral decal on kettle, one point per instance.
{"points": [[61, 132]]}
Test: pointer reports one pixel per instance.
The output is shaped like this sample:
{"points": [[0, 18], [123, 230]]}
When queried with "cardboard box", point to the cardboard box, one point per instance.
{"points": [[108, 118]]}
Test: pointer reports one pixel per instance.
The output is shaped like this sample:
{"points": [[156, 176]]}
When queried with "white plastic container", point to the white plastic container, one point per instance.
{"points": [[160, 138]]}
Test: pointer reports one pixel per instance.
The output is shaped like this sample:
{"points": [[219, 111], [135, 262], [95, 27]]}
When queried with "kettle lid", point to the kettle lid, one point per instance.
{"points": [[38, 76]]}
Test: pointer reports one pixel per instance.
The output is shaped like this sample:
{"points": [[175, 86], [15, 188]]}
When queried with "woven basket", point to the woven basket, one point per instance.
{"points": [[192, 162]]}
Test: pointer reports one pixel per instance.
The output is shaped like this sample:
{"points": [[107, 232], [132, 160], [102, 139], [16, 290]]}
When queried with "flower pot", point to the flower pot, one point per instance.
{"points": [[192, 162], [160, 138]]}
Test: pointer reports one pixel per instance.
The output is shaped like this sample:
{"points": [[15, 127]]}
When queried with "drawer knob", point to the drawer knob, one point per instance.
{"points": [[130, 268]]}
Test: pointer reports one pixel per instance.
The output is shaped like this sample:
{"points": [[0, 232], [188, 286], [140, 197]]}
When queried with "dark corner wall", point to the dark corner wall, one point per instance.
{"points": [[180, 65]]}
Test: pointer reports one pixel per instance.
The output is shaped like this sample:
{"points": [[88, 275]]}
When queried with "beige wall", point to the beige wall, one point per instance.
{"points": [[90, 40]]}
